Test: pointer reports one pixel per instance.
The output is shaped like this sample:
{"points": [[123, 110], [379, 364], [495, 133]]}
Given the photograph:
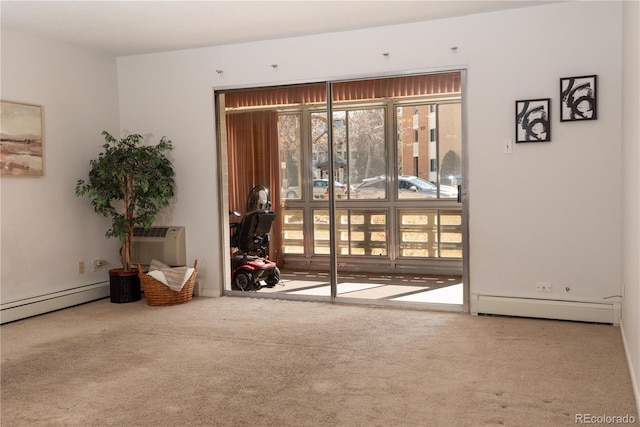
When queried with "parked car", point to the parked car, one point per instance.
{"points": [[409, 187], [320, 187], [340, 193], [451, 180]]}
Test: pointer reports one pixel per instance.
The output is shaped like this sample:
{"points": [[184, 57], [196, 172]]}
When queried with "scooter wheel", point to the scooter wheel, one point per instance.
{"points": [[274, 277], [243, 280]]}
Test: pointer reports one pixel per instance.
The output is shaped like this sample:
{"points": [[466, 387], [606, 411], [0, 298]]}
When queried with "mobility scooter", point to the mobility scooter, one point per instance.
{"points": [[250, 268]]}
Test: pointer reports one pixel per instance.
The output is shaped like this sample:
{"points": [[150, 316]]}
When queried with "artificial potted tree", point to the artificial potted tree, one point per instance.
{"points": [[129, 182]]}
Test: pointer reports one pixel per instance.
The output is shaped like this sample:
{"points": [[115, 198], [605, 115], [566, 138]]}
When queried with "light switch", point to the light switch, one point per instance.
{"points": [[507, 146]]}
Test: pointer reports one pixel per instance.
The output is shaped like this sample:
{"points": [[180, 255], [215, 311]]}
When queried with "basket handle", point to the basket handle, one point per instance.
{"points": [[195, 264]]}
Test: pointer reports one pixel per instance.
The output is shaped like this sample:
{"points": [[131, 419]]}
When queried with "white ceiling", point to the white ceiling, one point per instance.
{"points": [[137, 27]]}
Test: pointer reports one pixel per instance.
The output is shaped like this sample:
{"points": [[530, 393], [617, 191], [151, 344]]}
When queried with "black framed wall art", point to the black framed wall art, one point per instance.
{"points": [[578, 98], [532, 120]]}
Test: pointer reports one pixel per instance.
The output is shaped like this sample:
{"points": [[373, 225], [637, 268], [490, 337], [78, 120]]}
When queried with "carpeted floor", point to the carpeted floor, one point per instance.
{"points": [[257, 362]]}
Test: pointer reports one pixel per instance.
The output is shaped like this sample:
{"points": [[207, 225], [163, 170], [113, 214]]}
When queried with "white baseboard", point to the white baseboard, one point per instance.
{"points": [[635, 378], [546, 309], [28, 307], [208, 292]]}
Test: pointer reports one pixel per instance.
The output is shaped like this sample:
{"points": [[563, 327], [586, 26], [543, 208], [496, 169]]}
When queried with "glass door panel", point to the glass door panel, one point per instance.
{"points": [[394, 231]]}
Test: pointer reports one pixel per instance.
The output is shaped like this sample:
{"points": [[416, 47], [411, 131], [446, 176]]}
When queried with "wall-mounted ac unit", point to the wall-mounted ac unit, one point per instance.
{"points": [[166, 244]]}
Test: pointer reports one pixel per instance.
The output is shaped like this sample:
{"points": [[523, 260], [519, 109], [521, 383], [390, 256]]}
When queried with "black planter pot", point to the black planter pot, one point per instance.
{"points": [[124, 285]]}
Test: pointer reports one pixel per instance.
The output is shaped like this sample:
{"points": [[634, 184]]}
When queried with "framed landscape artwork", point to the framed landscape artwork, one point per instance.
{"points": [[20, 139], [532, 120]]}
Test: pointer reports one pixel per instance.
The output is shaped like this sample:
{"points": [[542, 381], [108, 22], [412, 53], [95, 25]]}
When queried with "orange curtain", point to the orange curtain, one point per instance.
{"points": [[425, 84], [253, 155]]}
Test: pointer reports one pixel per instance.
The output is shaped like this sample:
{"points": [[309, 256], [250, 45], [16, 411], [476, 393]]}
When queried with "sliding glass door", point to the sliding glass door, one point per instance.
{"points": [[367, 190]]}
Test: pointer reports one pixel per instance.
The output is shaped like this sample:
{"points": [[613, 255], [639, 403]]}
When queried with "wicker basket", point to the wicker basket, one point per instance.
{"points": [[157, 293]]}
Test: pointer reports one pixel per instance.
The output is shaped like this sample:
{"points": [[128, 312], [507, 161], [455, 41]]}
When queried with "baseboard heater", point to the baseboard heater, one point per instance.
{"points": [[29, 307], [546, 309]]}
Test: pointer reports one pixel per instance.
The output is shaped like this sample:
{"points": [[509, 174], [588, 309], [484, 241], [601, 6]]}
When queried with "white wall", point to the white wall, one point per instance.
{"points": [[631, 190], [45, 229], [548, 212]]}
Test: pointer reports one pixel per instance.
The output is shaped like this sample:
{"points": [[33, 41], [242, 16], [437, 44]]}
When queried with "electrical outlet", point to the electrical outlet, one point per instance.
{"points": [[543, 287], [98, 264], [80, 267]]}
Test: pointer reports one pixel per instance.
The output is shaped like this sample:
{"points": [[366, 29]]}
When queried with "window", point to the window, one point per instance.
{"points": [[289, 143], [430, 234], [293, 232], [360, 147], [443, 169], [396, 166], [359, 232]]}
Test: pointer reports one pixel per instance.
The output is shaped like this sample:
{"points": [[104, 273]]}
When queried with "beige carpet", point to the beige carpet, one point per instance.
{"points": [[252, 362]]}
